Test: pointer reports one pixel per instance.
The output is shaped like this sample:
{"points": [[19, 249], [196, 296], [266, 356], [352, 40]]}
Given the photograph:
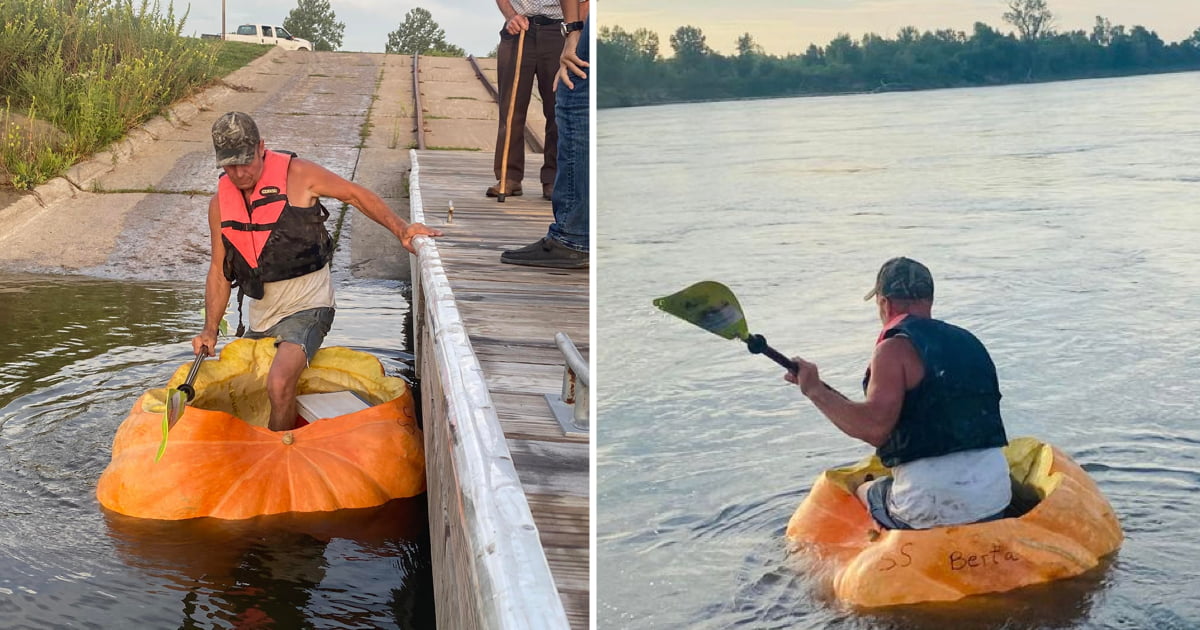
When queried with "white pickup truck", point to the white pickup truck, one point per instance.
{"points": [[268, 34]]}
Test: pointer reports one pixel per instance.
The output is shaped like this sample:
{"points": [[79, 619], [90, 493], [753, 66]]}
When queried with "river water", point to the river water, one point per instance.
{"points": [[77, 353], [1060, 223]]}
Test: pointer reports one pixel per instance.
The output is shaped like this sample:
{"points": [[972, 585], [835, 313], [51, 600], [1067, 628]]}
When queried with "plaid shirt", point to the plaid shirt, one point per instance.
{"points": [[548, 8]]}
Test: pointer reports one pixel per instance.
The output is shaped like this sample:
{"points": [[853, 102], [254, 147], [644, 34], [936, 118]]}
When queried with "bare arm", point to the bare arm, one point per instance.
{"points": [[574, 11], [320, 182], [216, 287], [569, 62], [894, 365]]}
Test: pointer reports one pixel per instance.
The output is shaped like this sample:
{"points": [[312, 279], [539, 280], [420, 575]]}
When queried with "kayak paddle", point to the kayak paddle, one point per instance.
{"points": [[177, 399], [713, 307]]}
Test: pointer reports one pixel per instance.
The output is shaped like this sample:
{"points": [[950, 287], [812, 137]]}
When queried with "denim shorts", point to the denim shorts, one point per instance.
{"points": [[877, 496], [306, 329]]}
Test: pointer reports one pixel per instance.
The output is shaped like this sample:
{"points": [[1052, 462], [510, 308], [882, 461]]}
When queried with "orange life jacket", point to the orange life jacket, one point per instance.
{"points": [[270, 240]]}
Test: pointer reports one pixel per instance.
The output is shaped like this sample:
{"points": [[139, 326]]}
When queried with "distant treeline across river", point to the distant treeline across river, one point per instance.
{"points": [[635, 73]]}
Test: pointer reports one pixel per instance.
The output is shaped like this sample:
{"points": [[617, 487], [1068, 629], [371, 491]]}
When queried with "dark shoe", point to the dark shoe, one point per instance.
{"points": [[547, 192], [513, 191], [546, 253]]}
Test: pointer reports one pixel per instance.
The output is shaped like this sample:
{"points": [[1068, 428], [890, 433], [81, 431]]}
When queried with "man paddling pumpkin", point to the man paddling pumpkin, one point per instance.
{"points": [[932, 410], [269, 240]]}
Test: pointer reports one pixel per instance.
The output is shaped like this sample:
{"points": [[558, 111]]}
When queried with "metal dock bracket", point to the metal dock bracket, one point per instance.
{"points": [[572, 405]]}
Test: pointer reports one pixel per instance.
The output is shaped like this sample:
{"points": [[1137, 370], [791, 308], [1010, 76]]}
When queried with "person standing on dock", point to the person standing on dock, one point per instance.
{"points": [[542, 23], [269, 240], [932, 411], [566, 244]]}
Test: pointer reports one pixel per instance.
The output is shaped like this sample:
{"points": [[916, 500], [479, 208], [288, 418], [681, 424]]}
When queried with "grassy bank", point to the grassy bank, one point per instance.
{"points": [[76, 75]]}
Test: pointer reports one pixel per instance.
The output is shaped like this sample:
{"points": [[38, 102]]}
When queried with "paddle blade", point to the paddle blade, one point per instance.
{"points": [[176, 401], [709, 305]]}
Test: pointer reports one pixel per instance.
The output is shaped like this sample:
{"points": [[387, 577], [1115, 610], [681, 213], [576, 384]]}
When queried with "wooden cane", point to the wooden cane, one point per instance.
{"points": [[512, 104]]}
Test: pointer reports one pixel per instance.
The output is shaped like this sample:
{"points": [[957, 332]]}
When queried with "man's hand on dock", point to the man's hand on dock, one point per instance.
{"points": [[414, 230]]}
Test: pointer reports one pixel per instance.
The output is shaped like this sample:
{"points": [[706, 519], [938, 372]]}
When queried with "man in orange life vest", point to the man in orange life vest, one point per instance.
{"points": [[932, 411], [269, 240]]}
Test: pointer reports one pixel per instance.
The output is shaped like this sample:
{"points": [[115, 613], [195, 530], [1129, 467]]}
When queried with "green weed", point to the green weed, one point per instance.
{"points": [[394, 139], [364, 131], [91, 70]]}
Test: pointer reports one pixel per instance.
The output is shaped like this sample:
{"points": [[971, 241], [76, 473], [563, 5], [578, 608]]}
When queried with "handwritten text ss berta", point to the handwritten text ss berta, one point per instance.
{"points": [[957, 559]]}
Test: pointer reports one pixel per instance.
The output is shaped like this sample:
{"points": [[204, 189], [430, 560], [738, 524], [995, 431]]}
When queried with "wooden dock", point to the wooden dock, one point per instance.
{"points": [[476, 319]]}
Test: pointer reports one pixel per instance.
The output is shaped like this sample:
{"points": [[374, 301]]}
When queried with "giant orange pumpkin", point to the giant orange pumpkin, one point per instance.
{"points": [[1069, 528], [221, 460]]}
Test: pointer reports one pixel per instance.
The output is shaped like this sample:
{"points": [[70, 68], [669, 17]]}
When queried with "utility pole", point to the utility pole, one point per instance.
{"points": [[222, 19]]}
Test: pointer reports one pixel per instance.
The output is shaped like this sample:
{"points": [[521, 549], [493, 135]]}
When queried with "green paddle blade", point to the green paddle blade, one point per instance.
{"points": [[176, 401], [709, 305]]}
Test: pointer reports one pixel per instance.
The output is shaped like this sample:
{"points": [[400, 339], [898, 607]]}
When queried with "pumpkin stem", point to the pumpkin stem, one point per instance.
{"points": [[288, 438]]}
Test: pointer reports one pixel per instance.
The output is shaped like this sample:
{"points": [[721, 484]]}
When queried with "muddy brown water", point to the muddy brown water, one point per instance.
{"points": [[77, 352]]}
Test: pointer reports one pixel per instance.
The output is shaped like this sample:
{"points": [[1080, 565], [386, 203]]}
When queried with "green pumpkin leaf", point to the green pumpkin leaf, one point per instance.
{"points": [[222, 328], [162, 446]]}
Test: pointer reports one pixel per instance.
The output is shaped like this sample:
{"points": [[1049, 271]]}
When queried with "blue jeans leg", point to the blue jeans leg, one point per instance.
{"points": [[570, 198]]}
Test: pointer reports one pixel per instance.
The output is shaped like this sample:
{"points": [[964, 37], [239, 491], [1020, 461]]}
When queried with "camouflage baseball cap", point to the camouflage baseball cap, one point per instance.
{"points": [[903, 278], [235, 138]]}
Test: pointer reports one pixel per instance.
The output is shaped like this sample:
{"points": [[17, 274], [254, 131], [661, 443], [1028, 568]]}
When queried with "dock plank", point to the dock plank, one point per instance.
{"points": [[511, 314]]}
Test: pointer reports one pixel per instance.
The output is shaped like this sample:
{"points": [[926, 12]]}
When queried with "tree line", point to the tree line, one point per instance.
{"points": [[316, 21], [636, 73]]}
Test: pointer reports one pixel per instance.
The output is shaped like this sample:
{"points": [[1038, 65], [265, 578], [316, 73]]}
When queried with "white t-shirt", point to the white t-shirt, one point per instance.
{"points": [[961, 487], [285, 297]]}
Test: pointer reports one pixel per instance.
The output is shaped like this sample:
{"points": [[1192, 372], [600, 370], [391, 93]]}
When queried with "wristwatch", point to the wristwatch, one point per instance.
{"points": [[571, 27]]}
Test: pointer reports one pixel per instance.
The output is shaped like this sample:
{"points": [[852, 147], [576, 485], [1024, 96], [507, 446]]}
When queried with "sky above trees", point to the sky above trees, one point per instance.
{"points": [[789, 26], [778, 26], [471, 24]]}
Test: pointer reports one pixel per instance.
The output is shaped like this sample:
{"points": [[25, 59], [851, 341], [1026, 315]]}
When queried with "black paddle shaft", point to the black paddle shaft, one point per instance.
{"points": [[757, 344], [187, 388]]}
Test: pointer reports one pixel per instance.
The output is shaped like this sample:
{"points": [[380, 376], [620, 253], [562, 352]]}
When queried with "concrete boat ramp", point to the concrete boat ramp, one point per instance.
{"points": [[508, 486]]}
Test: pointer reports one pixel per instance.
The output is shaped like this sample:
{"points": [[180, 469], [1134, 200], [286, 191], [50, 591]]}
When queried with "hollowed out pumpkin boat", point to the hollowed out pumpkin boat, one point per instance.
{"points": [[1060, 526], [221, 460]]}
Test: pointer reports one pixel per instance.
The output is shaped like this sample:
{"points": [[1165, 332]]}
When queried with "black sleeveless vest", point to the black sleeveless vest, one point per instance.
{"points": [[956, 407]]}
